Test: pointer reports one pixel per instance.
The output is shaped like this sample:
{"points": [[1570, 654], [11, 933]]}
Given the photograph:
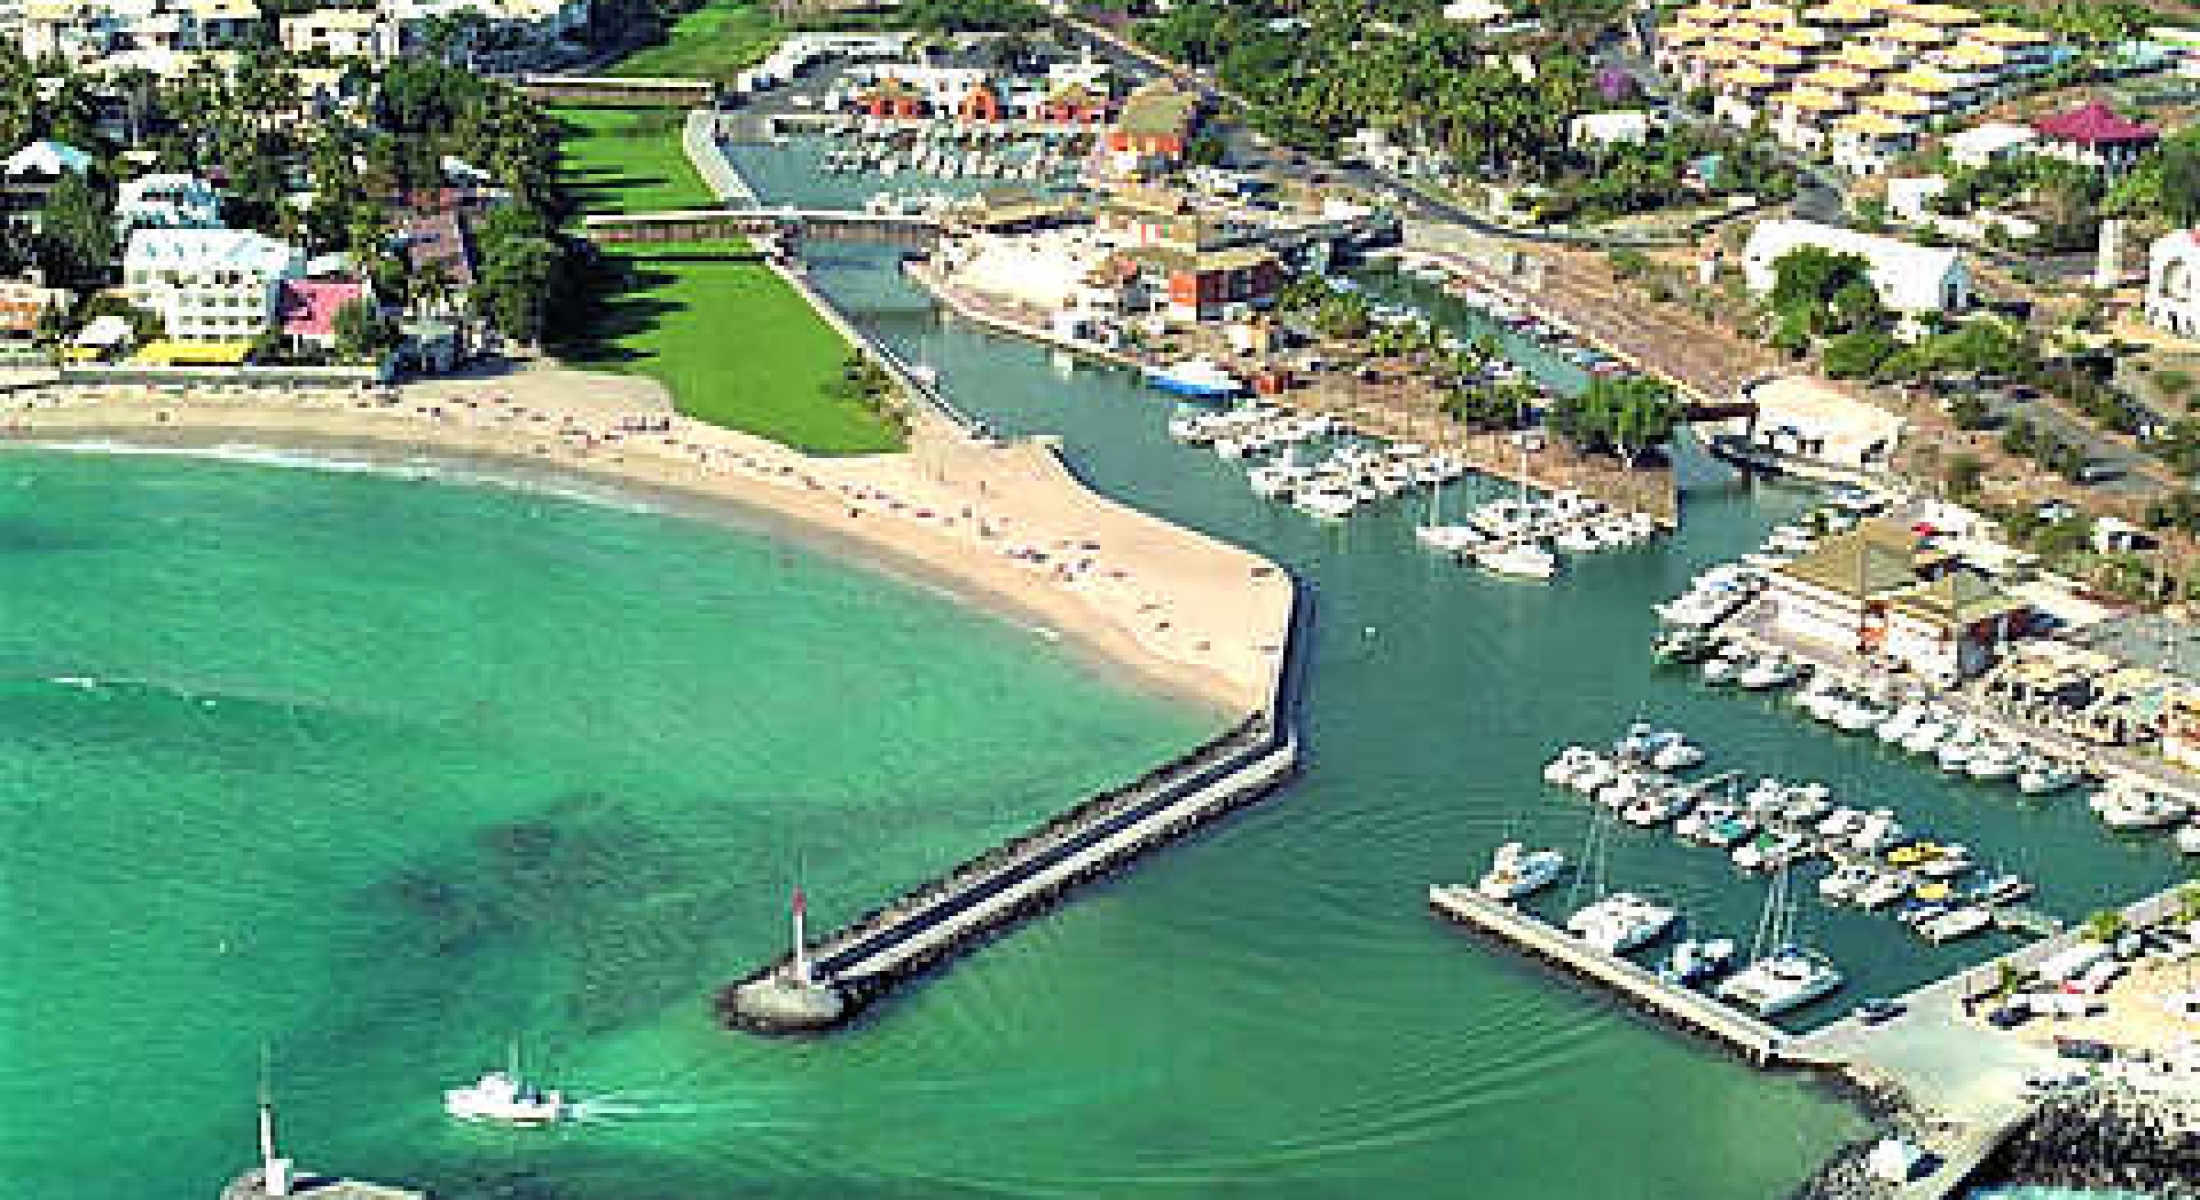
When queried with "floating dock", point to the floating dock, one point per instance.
{"points": [[1762, 1043]]}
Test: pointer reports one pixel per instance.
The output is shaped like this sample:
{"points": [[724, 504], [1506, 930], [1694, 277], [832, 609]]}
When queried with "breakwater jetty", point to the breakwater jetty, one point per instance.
{"points": [[1758, 1041], [825, 983]]}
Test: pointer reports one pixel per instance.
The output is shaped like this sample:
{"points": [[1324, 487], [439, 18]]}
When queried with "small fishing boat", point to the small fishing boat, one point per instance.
{"points": [[505, 1098], [1197, 377]]}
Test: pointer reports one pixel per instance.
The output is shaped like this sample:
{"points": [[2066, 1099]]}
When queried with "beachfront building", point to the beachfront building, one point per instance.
{"points": [[2173, 283], [2094, 135], [209, 284], [1860, 80], [1626, 127], [1912, 280], [1881, 591], [166, 200]]}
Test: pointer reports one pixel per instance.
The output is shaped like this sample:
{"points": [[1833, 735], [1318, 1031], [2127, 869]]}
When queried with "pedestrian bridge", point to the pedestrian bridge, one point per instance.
{"points": [[717, 224]]}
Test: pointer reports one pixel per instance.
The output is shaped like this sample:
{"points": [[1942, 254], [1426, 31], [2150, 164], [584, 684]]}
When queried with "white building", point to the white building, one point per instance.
{"points": [[1879, 591], [1912, 280], [2173, 283], [1622, 128], [1989, 143], [46, 159], [209, 284], [340, 33], [168, 200]]}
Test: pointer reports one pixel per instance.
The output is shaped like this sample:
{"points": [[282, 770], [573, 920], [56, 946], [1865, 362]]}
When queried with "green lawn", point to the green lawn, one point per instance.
{"points": [[716, 41], [628, 160], [736, 346]]}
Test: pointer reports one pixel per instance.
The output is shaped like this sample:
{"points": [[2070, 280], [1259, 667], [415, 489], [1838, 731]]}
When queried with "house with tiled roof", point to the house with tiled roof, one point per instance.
{"points": [[167, 200], [2095, 135], [1153, 128]]}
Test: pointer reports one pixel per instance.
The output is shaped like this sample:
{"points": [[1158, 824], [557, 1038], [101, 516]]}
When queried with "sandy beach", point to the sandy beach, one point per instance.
{"points": [[1002, 525]]}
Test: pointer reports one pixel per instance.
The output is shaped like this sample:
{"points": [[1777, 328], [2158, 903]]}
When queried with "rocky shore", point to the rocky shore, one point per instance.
{"points": [[2107, 1139]]}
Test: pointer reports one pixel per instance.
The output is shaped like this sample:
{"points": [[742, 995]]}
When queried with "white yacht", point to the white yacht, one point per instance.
{"points": [[1785, 979], [1903, 723], [1677, 755], [1517, 871], [2188, 839], [1518, 560], [1570, 762], [2133, 808], [1621, 922], [1885, 888]]}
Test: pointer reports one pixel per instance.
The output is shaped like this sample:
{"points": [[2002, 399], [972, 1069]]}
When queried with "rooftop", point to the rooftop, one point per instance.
{"points": [[308, 307]]}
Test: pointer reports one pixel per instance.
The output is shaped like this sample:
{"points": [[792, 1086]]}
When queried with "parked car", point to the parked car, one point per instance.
{"points": [[1878, 1011], [2084, 1050], [2008, 1017]]}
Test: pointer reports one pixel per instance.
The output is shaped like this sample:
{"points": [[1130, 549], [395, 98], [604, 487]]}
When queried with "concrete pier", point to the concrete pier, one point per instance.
{"points": [[855, 966], [1758, 1041]]}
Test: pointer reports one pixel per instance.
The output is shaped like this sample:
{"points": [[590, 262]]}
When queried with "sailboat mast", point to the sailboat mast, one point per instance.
{"points": [[801, 959]]}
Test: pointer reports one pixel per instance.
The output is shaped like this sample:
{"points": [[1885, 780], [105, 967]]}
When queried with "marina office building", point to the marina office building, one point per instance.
{"points": [[1881, 591]]}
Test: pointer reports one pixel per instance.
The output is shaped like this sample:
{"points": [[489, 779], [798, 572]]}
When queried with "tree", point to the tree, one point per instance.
{"points": [[1858, 353], [1964, 475], [2104, 926], [76, 239], [1820, 288], [2020, 438], [363, 334], [1970, 412]]}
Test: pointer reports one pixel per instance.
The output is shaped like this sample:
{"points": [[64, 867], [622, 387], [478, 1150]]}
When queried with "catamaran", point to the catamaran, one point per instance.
{"points": [[1781, 975]]}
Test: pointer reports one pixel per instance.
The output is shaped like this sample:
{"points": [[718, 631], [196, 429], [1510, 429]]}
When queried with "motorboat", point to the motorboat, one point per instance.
{"points": [[1842, 823], [2003, 889], [1621, 922], [1683, 646], [1768, 851], [1723, 669], [2135, 809], [1678, 754], [1885, 888], [2044, 776], [1857, 715], [1518, 560], [1879, 831], [1517, 871], [1926, 738], [1994, 762], [1696, 961], [1788, 978], [1956, 923], [1197, 377], [2188, 839], [1903, 723], [1570, 762], [1843, 883], [1768, 672], [1658, 807]]}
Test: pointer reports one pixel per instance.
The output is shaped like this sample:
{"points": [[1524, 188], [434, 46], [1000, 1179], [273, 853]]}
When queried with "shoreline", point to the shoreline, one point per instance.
{"points": [[852, 510]]}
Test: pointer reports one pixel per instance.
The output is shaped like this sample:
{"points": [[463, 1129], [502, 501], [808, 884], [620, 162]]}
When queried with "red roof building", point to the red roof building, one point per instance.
{"points": [[306, 308], [2094, 135]]}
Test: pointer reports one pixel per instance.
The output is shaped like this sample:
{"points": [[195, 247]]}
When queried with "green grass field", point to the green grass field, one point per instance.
{"points": [[716, 41], [736, 346], [628, 160]]}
